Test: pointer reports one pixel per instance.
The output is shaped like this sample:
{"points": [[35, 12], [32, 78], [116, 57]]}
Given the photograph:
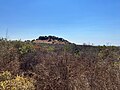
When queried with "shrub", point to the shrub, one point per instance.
{"points": [[5, 76], [25, 48], [17, 83]]}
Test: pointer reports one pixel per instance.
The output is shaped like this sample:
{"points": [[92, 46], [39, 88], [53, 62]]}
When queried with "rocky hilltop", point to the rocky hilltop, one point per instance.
{"points": [[50, 40]]}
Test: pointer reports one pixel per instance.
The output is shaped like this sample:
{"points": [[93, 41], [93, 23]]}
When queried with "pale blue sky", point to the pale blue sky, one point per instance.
{"points": [[79, 21]]}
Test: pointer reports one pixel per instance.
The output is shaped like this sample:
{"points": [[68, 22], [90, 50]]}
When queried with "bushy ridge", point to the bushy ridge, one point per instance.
{"points": [[49, 38]]}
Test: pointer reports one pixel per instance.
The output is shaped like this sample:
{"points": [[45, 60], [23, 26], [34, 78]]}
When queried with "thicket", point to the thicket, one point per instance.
{"points": [[59, 67], [51, 38]]}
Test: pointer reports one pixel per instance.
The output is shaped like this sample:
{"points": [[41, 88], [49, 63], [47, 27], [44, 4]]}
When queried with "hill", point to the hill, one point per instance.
{"points": [[50, 40]]}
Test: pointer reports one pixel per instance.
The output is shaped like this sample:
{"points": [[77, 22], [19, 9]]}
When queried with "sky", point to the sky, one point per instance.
{"points": [[79, 21]]}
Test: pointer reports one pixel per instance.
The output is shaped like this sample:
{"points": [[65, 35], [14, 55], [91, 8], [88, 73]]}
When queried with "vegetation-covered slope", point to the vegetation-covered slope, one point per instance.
{"points": [[60, 66]]}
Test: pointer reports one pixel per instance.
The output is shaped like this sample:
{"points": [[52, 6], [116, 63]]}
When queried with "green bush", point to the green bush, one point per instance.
{"points": [[26, 48]]}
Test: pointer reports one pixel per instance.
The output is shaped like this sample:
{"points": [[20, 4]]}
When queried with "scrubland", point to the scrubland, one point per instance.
{"points": [[29, 66]]}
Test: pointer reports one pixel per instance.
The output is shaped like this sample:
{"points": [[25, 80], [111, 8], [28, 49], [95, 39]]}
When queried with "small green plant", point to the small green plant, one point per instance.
{"points": [[50, 48], [117, 64], [25, 48], [67, 48]]}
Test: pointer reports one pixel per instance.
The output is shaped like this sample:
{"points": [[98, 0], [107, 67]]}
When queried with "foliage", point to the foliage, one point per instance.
{"points": [[51, 38], [5, 76], [25, 48], [17, 83]]}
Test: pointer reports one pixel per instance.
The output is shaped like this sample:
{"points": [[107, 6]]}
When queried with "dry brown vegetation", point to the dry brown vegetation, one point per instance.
{"points": [[62, 67]]}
